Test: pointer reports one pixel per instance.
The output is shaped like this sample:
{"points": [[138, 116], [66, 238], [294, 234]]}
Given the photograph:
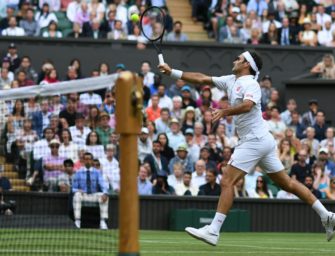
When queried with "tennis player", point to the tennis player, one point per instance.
{"points": [[256, 145]]}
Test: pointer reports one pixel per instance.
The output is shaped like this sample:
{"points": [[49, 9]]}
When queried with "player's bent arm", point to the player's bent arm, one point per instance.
{"points": [[242, 108]]}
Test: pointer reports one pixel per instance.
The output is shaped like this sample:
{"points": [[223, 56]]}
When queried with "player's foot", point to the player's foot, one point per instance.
{"points": [[204, 234], [77, 223], [329, 224], [103, 225]]}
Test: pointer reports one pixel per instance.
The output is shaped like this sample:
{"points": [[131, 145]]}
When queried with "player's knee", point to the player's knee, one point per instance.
{"points": [[226, 180]]}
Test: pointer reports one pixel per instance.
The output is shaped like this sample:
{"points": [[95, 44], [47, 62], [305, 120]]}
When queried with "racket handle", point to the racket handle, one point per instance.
{"points": [[161, 59]]}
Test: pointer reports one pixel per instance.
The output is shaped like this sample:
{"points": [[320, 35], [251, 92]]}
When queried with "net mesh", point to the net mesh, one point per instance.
{"points": [[58, 159]]}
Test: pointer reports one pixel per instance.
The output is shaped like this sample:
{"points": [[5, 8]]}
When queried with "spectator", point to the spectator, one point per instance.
{"points": [[93, 145], [176, 177], [72, 10], [22, 79], [329, 140], [225, 31], [111, 169], [308, 182], [79, 132], [325, 36], [199, 138], [257, 6], [199, 175], [54, 4], [320, 125], [308, 118], [193, 149], [295, 144], [328, 165], [187, 97], [44, 17], [13, 29], [144, 144], [152, 130], [261, 190], [162, 187], [68, 149], [183, 158], [108, 24], [177, 35], [175, 136], [41, 118], [330, 192], [65, 179], [148, 75], [296, 125], [82, 15], [276, 126], [164, 100], [29, 24], [311, 141], [246, 31], [117, 32], [93, 30], [321, 17], [69, 113], [89, 185], [186, 188], [321, 179], [307, 37], [207, 123], [52, 31], [211, 188], [162, 123], [5, 80], [52, 167], [167, 151], [286, 116], [10, 12], [204, 155], [144, 186], [301, 170], [153, 112], [189, 119], [176, 111], [326, 68], [239, 189], [90, 98], [108, 104], [266, 88], [26, 66], [157, 162], [76, 31]]}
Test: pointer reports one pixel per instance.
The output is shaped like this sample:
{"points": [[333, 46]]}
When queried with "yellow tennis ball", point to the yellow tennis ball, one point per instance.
{"points": [[135, 17]]}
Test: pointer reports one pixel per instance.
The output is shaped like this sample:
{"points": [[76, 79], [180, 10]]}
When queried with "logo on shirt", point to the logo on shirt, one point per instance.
{"points": [[238, 88], [248, 95]]}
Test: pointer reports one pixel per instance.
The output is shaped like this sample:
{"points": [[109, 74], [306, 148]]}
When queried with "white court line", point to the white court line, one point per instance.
{"points": [[247, 246]]}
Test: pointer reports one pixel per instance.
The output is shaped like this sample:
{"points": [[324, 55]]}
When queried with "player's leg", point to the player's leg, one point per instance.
{"points": [[290, 185], [211, 233], [103, 211], [77, 199]]}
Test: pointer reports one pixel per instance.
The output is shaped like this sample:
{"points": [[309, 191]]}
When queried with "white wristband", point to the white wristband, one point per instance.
{"points": [[176, 74]]}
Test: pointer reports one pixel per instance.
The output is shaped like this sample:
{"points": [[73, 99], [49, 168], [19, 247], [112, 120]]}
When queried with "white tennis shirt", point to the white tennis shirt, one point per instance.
{"points": [[248, 125]]}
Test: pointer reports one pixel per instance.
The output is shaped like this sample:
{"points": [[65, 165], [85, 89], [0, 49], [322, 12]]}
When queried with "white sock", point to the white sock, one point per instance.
{"points": [[320, 209], [78, 223], [217, 222]]}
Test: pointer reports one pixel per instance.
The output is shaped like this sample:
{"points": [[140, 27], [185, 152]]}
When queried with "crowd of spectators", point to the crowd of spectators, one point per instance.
{"points": [[95, 19], [180, 151], [284, 22]]}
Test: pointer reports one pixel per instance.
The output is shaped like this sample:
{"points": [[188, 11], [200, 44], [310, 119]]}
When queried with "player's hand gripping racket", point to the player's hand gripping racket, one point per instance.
{"points": [[152, 25]]}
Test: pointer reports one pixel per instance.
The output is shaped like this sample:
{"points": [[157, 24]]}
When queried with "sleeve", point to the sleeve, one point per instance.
{"points": [[253, 93], [222, 81], [75, 184], [102, 183]]}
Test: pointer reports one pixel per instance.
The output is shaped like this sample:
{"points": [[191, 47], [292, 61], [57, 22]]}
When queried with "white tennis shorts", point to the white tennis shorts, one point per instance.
{"points": [[258, 151]]}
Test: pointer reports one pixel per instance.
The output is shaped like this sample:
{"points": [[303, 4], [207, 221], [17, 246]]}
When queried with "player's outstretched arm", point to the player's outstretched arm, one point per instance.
{"points": [[191, 77]]}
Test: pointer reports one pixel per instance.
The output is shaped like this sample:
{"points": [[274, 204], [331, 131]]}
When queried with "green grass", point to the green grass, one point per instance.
{"points": [[21, 242]]}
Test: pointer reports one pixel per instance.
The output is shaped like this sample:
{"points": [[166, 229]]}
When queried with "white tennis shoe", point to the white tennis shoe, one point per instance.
{"points": [[204, 234], [329, 224], [103, 225]]}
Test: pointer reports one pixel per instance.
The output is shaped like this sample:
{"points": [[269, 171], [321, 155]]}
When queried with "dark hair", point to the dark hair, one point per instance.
{"points": [[88, 138], [88, 154], [258, 61], [157, 142], [265, 186], [146, 61], [177, 22], [212, 171], [68, 132], [68, 162], [22, 110], [166, 137], [165, 110]]}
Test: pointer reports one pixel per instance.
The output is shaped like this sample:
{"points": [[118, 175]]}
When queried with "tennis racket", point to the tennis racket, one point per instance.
{"points": [[152, 24]]}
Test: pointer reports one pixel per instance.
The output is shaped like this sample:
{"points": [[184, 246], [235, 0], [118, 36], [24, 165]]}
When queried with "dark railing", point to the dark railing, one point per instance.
{"points": [[267, 215]]}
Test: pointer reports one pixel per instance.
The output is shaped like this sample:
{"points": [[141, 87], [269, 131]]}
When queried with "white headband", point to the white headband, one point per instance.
{"points": [[252, 63]]}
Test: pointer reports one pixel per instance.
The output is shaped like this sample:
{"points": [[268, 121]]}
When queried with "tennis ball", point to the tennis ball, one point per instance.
{"points": [[135, 17]]}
